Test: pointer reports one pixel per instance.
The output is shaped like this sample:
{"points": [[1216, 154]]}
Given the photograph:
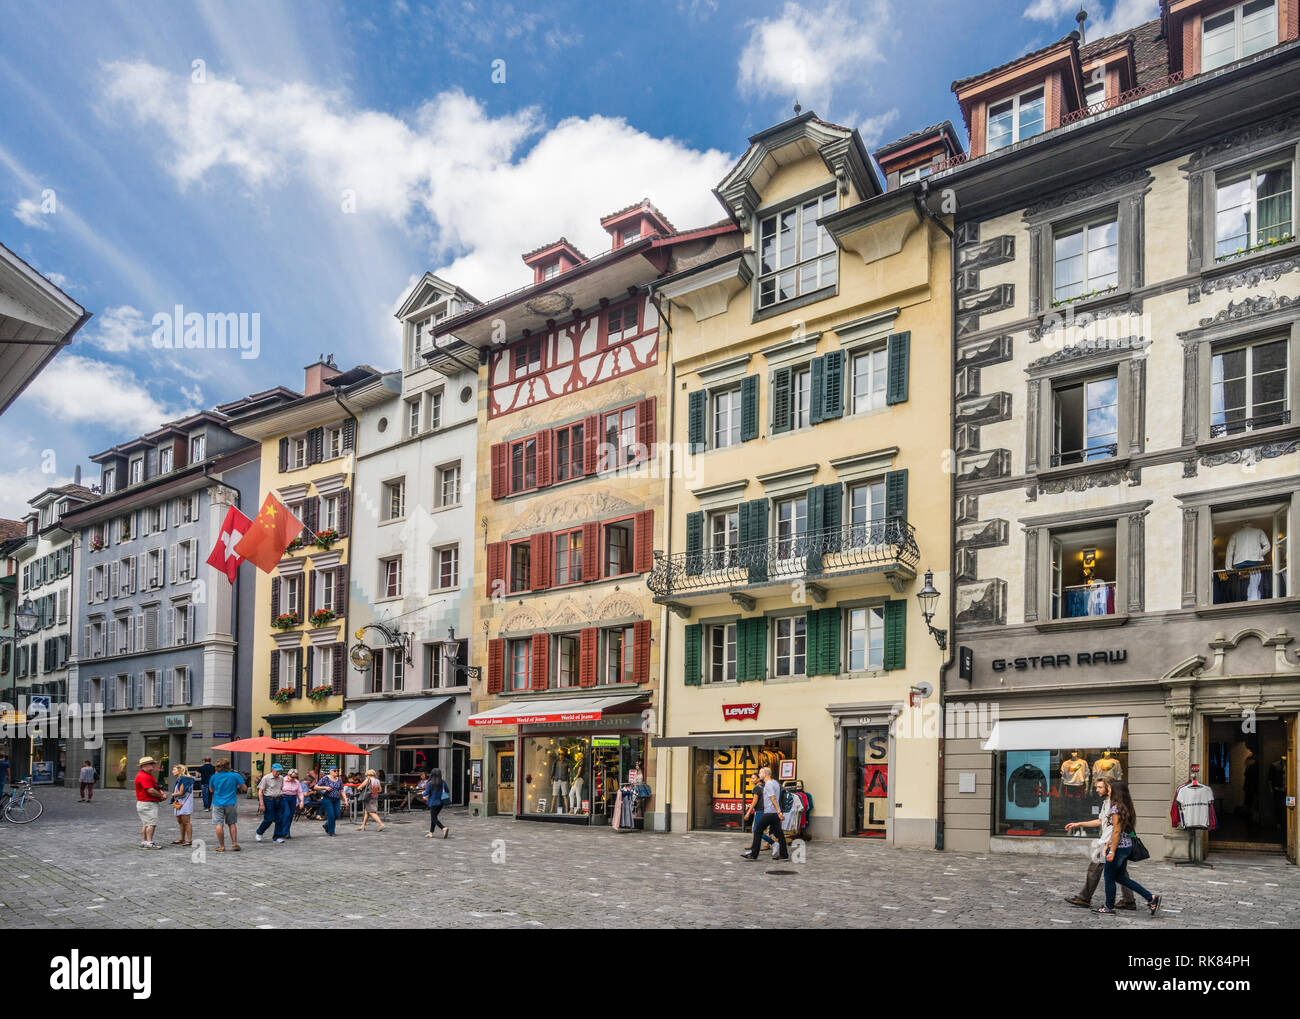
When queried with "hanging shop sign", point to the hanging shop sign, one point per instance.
{"points": [[1081, 658], [739, 712], [174, 721]]}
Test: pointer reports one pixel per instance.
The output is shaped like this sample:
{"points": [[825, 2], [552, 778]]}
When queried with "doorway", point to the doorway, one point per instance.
{"points": [[501, 780], [1251, 770], [866, 782]]}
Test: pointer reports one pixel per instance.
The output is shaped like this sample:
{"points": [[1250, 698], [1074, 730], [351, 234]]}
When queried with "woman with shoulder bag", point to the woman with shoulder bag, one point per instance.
{"points": [[368, 799], [1123, 844], [437, 795]]}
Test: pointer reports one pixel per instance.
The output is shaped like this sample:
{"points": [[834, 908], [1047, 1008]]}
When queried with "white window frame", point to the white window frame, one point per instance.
{"points": [[413, 416], [436, 583], [297, 452], [728, 661], [725, 417], [877, 378], [873, 649], [1015, 102], [791, 657], [1238, 49], [198, 448], [1254, 238], [393, 489], [825, 258], [448, 473], [387, 574], [1087, 285]]}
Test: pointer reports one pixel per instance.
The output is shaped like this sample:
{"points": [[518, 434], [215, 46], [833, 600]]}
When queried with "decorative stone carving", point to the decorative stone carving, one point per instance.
{"points": [[982, 255], [576, 404], [993, 351], [995, 298], [1032, 541], [992, 463], [982, 534], [1250, 454], [967, 382], [570, 613], [1190, 515], [1088, 349], [1250, 278], [1189, 468], [983, 603], [1250, 306], [523, 617], [1092, 189], [1064, 318], [1259, 133], [983, 409], [1137, 547], [966, 564], [1084, 482], [1191, 372], [552, 514], [968, 438], [618, 605], [968, 508]]}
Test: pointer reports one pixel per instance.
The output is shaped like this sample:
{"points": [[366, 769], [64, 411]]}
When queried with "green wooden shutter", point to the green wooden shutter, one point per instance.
{"points": [[812, 631], [694, 635], [698, 420], [781, 413], [896, 386], [694, 543], [817, 390], [755, 532], [753, 653], [813, 561], [749, 408], [833, 386], [829, 654], [896, 494], [832, 519], [896, 633]]}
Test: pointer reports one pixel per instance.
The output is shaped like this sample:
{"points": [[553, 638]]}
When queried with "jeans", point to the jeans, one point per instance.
{"points": [[271, 813], [1116, 871], [770, 822], [290, 808], [434, 823], [207, 798], [330, 807], [758, 818]]}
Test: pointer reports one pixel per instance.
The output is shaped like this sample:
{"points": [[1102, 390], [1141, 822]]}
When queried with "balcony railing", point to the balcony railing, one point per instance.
{"points": [[1149, 88], [1078, 456], [1239, 425], [809, 556]]}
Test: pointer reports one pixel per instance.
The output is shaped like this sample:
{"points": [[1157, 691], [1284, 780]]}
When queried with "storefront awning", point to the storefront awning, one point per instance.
{"points": [[371, 723], [722, 740], [1095, 733], [531, 710]]}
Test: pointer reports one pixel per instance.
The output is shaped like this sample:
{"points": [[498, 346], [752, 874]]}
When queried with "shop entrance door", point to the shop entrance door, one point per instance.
{"points": [[866, 781], [505, 776], [1251, 775], [1290, 800]]}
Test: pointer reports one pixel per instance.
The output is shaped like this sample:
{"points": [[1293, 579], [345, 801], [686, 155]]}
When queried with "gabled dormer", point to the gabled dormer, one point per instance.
{"points": [[431, 301], [636, 221], [1205, 35], [917, 155], [552, 259]]}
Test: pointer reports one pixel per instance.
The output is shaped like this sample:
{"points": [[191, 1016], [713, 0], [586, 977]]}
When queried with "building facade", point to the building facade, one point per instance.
{"points": [[1126, 336], [807, 369]]}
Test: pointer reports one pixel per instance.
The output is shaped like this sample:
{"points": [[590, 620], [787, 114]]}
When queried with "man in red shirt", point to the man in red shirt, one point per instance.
{"points": [[147, 798]]}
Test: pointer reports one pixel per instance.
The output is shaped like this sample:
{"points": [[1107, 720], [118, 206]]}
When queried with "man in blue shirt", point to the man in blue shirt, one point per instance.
{"points": [[771, 819], [206, 771], [226, 785]]}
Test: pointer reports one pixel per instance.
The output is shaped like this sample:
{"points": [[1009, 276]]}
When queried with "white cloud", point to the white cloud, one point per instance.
{"points": [[1050, 10], [21, 484], [805, 51], [1117, 17], [81, 390], [28, 212], [873, 129], [451, 170], [119, 329]]}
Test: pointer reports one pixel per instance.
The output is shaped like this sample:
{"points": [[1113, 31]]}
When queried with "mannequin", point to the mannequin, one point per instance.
{"points": [[1248, 548], [1074, 784], [560, 780], [1106, 766]]}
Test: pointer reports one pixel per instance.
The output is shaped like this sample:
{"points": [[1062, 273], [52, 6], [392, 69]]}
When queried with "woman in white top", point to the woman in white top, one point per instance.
{"points": [[368, 796], [183, 804]]}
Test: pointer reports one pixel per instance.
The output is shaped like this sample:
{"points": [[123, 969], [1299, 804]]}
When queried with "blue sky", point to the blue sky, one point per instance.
{"points": [[309, 161]]}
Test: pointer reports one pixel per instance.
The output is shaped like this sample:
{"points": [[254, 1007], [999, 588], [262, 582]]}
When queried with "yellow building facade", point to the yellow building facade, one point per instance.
{"points": [[809, 375]]}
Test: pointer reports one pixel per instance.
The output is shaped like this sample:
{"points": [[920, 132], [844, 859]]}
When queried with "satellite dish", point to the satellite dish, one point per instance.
{"points": [[361, 656]]}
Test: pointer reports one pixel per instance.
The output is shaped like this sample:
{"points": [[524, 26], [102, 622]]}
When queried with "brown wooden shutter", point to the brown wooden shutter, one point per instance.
{"points": [[275, 672], [500, 457], [304, 674], [641, 651], [311, 514], [284, 455], [541, 660], [591, 551], [349, 435], [539, 555], [645, 427], [345, 503], [587, 643], [339, 653], [590, 443], [275, 598], [643, 540], [496, 568], [180, 452], [341, 592], [496, 665], [316, 445], [545, 458]]}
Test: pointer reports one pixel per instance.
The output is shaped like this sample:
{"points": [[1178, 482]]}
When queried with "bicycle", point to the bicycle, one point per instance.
{"points": [[20, 806]]}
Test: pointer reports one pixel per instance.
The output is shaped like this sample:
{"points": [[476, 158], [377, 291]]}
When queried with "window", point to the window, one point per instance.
{"points": [[446, 567], [618, 548], [866, 638], [1085, 421], [621, 323], [521, 563], [1248, 388], [298, 452], [329, 513], [551, 271], [526, 358], [325, 590], [182, 623], [394, 505], [915, 173], [566, 660], [186, 554], [125, 528], [413, 417], [1237, 33], [791, 645], [438, 671], [1249, 553], [123, 691], [1094, 92], [136, 471], [523, 465], [870, 374], [568, 557], [435, 410], [620, 447], [791, 526], [164, 460], [796, 256], [189, 508], [153, 519], [726, 418], [390, 577], [1083, 573], [801, 397], [867, 513], [291, 595], [568, 452], [722, 653], [448, 485], [1015, 119], [333, 443], [1253, 209], [150, 694], [121, 641], [324, 668], [153, 569], [631, 234], [724, 539], [520, 664], [1086, 260], [618, 656]]}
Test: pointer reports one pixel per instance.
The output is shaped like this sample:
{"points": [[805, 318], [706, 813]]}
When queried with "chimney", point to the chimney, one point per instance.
{"points": [[318, 373], [76, 475]]}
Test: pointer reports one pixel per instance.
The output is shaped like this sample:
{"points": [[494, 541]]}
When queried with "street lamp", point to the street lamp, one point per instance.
{"points": [[928, 596], [450, 655], [25, 622]]}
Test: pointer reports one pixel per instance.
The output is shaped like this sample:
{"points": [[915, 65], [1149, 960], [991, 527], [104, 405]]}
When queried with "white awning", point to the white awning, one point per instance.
{"points": [[371, 723], [1097, 732], [725, 740], [530, 710]]}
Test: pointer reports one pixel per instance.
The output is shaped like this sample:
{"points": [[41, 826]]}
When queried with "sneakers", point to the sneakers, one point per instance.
{"points": [[1153, 905], [446, 832], [279, 842], [154, 845], [258, 836]]}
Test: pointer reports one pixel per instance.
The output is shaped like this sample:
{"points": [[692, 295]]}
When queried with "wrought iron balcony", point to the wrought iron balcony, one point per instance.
{"points": [[888, 546], [1238, 425], [1078, 456]]}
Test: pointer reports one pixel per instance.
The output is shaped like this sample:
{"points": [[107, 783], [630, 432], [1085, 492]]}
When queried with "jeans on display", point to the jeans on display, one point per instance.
{"points": [[330, 807], [1116, 872]]}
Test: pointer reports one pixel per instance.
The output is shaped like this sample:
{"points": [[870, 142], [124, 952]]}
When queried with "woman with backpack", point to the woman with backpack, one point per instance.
{"points": [[437, 795], [1123, 840]]}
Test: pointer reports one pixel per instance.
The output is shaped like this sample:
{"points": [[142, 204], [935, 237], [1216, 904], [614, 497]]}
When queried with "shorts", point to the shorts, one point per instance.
{"points": [[225, 814], [148, 813]]}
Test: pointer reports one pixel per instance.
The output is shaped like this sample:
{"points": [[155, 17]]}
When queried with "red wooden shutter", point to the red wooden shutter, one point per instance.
{"points": [[645, 427], [541, 648], [496, 568], [496, 665], [643, 540], [539, 555], [641, 651], [545, 458], [591, 551], [587, 656], [590, 443], [500, 470]]}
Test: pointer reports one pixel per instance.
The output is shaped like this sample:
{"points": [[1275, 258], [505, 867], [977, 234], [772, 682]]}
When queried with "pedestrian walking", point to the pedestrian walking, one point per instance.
{"points": [[771, 819], [86, 782], [368, 799], [332, 788], [206, 771], [147, 798], [289, 805], [183, 804], [437, 795], [226, 785], [1098, 864], [270, 794], [4, 771], [755, 809], [1123, 831]]}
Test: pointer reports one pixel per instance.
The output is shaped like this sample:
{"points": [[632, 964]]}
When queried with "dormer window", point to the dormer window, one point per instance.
{"points": [[796, 256], [1094, 92], [1237, 33], [1015, 119], [551, 271], [164, 459], [632, 234], [198, 448], [915, 173], [136, 471], [108, 481]]}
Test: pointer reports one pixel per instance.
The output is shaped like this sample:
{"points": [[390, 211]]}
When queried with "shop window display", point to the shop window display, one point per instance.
{"points": [[1250, 554], [578, 776], [722, 780], [1039, 792]]}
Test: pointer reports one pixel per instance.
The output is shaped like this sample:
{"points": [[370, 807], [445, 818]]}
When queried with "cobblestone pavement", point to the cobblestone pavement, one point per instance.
{"points": [[80, 866]]}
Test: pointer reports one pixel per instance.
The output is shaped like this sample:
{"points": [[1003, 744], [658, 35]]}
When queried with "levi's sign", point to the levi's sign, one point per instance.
{"points": [[730, 711], [1060, 661]]}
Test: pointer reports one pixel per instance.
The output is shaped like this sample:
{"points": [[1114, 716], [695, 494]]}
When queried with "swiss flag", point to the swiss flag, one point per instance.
{"points": [[267, 537], [224, 557]]}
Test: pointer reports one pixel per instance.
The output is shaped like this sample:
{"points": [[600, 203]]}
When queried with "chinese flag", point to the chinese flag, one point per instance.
{"points": [[269, 535], [224, 557]]}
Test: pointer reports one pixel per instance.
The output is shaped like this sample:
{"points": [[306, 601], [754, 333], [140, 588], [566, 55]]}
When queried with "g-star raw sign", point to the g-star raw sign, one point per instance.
{"points": [[730, 711], [1060, 661]]}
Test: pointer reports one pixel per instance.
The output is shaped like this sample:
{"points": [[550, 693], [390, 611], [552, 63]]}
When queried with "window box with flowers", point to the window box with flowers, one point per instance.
{"points": [[326, 538], [294, 545], [96, 544], [1084, 297], [283, 696], [286, 620], [321, 617], [320, 693], [1272, 242]]}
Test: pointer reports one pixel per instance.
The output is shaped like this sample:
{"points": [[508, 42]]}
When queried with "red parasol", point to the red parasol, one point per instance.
{"points": [[322, 745], [256, 745]]}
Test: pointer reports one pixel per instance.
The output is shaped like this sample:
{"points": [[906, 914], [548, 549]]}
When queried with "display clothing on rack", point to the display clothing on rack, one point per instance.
{"points": [[575, 795], [1089, 600], [1074, 772], [1108, 768], [1193, 807], [1027, 786], [1248, 546]]}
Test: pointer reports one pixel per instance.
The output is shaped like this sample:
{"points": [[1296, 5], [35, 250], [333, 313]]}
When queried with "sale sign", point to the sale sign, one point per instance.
{"points": [[739, 711]]}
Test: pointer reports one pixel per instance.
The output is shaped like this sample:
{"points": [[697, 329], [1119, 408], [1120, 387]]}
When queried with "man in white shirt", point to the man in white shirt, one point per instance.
{"points": [[1098, 864], [771, 817]]}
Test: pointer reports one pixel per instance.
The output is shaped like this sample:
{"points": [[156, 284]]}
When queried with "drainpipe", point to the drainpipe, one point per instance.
{"points": [[234, 623], [924, 208], [352, 480], [668, 545]]}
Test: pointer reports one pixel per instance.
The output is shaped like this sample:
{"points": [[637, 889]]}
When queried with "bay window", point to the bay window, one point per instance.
{"points": [[796, 256]]}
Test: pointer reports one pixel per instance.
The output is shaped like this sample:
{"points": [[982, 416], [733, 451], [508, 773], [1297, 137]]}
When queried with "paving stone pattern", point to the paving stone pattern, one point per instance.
{"points": [[79, 866]]}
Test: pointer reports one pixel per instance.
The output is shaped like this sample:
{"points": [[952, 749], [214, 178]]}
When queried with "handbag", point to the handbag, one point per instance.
{"points": [[445, 798], [1139, 852]]}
